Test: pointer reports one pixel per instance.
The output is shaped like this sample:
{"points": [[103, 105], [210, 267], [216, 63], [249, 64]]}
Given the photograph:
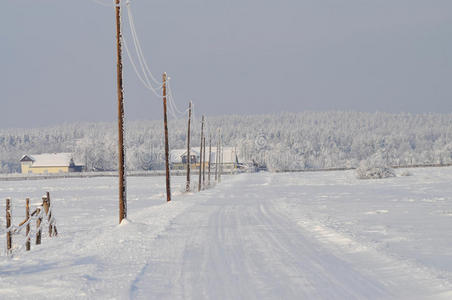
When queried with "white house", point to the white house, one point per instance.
{"points": [[178, 157]]}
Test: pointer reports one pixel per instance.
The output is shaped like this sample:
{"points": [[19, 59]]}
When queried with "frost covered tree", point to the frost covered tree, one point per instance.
{"points": [[375, 167], [284, 141]]}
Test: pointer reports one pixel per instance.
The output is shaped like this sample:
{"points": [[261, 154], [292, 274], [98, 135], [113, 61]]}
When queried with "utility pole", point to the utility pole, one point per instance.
{"points": [[204, 164], [121, 151], [187, 186], [235, 160], [200, 154], [220, 158], [210, 157], [217, 155], [165, 125]]}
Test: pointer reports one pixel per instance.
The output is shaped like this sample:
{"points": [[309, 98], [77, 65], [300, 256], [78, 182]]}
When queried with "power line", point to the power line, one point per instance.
{"points": [[137, 44], [176, 111], [150, 87], [145, 76], [174, 101], [103, 3]]}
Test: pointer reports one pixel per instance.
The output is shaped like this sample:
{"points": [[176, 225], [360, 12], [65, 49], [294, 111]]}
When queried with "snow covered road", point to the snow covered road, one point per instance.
{"points": [[319, 235], [240, 245]]}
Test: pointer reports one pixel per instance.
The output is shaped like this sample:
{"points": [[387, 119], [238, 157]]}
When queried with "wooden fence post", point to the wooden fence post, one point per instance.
{"points": [[27, 218], [52, 229], [38, 224], [9, 241], [45, 205]]}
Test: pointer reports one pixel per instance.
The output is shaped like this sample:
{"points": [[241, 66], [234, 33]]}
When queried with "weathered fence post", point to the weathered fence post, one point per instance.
{"points": [[45, 206], [9, 241], [27, 218], [38, 224], [52, 228]]}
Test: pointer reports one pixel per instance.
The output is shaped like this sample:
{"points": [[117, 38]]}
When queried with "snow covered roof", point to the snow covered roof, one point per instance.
{"points": [[176, 154], [50, 159], [229, 154], [26, 158]]}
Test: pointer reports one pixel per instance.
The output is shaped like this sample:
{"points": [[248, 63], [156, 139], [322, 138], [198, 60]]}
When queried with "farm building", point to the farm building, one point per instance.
{"points": [[178, 158], [49, 163]]}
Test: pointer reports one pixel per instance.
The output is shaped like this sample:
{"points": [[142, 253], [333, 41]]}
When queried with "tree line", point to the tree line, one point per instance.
{"points": [[283, 141]]}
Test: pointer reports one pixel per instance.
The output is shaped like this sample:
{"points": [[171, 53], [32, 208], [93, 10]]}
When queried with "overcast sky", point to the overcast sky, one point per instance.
{"points": [[57, 57]]}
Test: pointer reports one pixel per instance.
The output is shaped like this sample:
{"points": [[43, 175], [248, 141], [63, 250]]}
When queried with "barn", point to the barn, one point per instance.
{"points": [[49, 163]]}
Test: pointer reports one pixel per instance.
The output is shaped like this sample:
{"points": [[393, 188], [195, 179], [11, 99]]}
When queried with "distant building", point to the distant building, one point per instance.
{"points": [[178, 158], [49, 163]]}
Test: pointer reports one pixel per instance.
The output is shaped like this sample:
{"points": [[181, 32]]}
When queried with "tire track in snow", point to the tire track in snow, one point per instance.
{"points": [[240, 244], [231, 247]]}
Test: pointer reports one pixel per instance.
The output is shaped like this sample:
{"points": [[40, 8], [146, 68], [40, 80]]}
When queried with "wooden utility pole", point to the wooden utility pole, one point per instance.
{"points": [[9, 242], [187, 186], [220, 159], [217, 155], [165, 125], [200, 153], [204, 164], [210, 157], [121, 151]]}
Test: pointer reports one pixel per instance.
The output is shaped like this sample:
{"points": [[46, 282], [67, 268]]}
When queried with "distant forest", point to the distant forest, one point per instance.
{"points": [[284, 141]]}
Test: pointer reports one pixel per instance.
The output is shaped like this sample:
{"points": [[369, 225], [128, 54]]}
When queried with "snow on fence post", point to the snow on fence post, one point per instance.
{"points": [[46, 206], [52, 228], [27, 218], [9, 241], [38, 224]]}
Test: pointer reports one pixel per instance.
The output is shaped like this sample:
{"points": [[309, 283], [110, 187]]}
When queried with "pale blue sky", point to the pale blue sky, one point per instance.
{"points": [[57, 57]]}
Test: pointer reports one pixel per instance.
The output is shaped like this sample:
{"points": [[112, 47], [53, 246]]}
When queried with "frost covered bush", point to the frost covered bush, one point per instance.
{"points": [[372, 170], [406, 173]]}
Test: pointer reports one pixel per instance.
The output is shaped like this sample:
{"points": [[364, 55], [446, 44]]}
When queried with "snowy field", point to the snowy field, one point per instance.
{"points": [[319, 235]]}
